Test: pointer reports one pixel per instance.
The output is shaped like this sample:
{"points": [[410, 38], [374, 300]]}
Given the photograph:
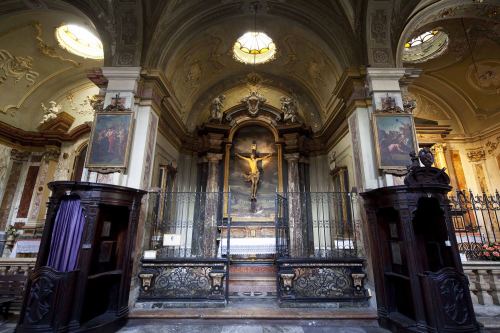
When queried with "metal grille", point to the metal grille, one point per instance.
{"points": [[186, 224], [316, 225], [476, 222]]}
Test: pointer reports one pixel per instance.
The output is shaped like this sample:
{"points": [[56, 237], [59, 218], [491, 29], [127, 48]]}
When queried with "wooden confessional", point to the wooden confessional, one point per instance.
{"points": [[419, 278], [91, 291]]}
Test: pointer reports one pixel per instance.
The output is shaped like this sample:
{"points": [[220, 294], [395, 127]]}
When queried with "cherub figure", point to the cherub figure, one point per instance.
{"points": [[50, 112]]}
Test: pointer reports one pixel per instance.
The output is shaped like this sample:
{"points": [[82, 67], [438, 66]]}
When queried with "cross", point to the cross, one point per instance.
{"points": [[116, 100]]}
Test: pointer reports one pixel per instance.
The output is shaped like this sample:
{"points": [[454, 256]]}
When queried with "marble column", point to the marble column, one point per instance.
{"points": [[294, 207], [18, 158], [212, 205]]}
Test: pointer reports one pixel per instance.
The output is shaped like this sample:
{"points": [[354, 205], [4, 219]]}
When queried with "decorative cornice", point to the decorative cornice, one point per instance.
{"points": [[21, 137], [154, 90]]}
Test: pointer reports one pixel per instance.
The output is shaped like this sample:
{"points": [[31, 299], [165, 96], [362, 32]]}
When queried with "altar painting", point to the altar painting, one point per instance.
{"points": [[243, 206]]}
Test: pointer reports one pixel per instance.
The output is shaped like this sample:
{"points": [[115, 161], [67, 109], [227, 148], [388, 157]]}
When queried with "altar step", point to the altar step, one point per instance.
{"points": [[252, 281]]}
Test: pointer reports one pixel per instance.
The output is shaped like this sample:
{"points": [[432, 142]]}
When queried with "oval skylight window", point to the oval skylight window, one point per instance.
{"points": [[80, 41], [426, 46], [254, 48]]}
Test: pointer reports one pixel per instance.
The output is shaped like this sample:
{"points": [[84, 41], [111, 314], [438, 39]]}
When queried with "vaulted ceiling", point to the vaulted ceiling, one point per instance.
{"points": [[190, 42]]}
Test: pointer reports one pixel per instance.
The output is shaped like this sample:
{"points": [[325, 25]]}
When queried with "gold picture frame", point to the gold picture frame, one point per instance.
{"points": [[109, 143], [395, 138]]}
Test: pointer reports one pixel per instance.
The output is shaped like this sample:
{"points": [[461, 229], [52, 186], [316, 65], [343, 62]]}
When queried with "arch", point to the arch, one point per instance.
{"points": [[79, 161], [305, 97], [259, 121]]}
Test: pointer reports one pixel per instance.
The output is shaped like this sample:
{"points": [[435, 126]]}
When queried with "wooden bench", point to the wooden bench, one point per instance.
{"points": [[11, 292]]}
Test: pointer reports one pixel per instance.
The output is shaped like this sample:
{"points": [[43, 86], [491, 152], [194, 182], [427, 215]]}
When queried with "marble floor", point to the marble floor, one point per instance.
{"points": [[489, 316], [249, 326]]}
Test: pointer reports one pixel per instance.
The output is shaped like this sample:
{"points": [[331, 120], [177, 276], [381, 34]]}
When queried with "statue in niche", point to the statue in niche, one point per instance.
{"points": [[50, 112], [216, 108], [289, 109], [253, 102], [254, 175]]}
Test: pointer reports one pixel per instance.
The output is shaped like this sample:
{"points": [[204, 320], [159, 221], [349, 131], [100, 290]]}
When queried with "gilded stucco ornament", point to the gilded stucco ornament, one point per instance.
{"points": [[48, 50], [16, 67], [476, 154], [491, 146]]}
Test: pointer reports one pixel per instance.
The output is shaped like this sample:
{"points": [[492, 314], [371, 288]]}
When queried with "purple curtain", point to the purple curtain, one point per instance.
{"points": [[66, 235]]}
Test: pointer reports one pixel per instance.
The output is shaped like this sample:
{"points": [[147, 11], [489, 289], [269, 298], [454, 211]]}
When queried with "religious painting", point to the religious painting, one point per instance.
{"points": [[253, 191], [395, 139], [109, 143]]}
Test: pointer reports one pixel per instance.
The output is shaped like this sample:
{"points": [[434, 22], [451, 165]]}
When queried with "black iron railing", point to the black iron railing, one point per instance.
{"points": [[316, 225], [187, 224], [186, 231], [476, 219]]}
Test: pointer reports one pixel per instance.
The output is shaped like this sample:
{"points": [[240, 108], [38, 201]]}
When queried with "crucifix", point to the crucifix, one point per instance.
{"points": [[254, 175], [117, 100]]}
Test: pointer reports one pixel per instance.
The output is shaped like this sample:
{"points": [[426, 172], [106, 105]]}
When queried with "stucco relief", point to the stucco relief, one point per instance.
{"points": [[78, 102], [378, 27], [426, 109], [17, 68], [485, 76], [207, 58], [476, 154]]}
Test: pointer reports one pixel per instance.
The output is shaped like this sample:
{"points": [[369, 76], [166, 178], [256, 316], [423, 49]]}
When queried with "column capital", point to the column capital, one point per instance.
{"points": [[292, 157], [19, 156], [121, 79], [211, 157], [384, 79], [52, 154]]}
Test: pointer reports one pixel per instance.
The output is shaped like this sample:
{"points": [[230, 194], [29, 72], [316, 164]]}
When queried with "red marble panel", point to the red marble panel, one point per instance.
{"points": [[29, 187]]}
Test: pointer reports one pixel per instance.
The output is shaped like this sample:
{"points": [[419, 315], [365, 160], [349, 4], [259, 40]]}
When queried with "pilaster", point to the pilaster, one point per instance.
{"points": [[122, 89]]}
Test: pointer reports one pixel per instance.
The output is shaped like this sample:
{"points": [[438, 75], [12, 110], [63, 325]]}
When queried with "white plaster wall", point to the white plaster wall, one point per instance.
{"points": [[165, 153], [344, 158], [66, 161], [319, 174]]}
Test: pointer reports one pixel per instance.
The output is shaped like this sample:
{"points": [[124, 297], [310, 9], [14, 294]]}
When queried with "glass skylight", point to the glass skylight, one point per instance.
{"points": [[254, 48], [80, 41], [426, 46], [426, 36]]}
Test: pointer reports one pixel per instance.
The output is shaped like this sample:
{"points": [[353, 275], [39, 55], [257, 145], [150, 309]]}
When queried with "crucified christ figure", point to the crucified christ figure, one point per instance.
{"points": [[254, 175]]}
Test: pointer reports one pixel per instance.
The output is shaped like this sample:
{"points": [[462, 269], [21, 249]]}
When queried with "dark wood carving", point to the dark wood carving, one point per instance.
{"points": [[95, 294], [418, 273]]}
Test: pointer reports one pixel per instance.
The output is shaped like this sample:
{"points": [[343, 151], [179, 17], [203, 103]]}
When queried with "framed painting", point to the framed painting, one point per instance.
{"points": [[395, 139], [109, 144]]}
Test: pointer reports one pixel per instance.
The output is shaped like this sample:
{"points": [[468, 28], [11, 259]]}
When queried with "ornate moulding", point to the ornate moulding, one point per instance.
{"points": [[476, 154]]}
